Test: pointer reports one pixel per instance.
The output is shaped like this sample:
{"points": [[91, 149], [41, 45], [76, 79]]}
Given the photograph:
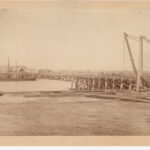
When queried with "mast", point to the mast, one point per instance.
{"points": [[139, 72], [140, 65]]}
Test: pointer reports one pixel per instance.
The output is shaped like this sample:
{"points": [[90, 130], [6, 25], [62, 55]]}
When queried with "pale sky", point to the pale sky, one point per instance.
{"points": [[77, 39]]}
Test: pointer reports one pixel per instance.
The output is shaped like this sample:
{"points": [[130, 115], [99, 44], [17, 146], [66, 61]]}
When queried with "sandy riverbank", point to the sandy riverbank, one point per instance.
{"points": [[72, 113]]}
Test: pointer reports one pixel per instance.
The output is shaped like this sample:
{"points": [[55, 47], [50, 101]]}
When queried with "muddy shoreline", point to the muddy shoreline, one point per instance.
{"points": [[119, 95], [74, 113]]}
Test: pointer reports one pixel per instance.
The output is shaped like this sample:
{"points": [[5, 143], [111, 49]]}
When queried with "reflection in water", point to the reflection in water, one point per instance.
{"points": [[39, 85]]}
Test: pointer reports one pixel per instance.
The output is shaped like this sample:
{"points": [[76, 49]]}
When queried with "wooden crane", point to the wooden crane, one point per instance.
{"points": [[138, 72]]}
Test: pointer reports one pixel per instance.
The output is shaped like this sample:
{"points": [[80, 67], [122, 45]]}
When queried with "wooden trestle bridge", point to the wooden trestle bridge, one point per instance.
{"points": [[103, 83], [138, 82], [99, 82], [107, 83]]}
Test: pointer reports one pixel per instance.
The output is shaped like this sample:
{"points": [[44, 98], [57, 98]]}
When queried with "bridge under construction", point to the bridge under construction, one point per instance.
{"points": [[137, 82]]}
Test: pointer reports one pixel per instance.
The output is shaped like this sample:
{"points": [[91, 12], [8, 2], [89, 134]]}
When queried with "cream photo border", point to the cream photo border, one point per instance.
{"points": [[74, 140]]}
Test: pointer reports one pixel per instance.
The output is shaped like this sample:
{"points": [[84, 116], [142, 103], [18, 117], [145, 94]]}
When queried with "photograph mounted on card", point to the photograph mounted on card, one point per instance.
{"points": [[74, 71]]}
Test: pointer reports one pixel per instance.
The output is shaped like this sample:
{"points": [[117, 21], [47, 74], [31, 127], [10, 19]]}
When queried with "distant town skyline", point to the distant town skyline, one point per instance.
{"points": [[76, 39]]}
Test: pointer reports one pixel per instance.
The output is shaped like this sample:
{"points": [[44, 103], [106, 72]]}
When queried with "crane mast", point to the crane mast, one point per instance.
{"points": [[138, 72]]}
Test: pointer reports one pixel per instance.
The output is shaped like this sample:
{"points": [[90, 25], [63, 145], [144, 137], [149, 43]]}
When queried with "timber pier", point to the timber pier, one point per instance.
{"points": [[98, 83], [103, 83], [137, 81]]}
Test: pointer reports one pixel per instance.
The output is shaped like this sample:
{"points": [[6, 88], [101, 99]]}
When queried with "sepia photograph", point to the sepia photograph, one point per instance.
{"points": [[74, 71]]}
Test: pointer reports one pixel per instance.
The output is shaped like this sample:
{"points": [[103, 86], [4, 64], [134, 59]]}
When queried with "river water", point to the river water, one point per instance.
{"points": [[38, 85]]}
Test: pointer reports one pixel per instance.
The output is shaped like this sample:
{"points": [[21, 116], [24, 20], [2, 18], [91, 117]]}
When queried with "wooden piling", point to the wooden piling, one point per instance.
{"points": [[99, 84], [130, 84], [93, 85], [88, 84], [76, 84], [106, 83], [113, 84], [79, 84], [84, 83], [121, 84], [71, 85]]}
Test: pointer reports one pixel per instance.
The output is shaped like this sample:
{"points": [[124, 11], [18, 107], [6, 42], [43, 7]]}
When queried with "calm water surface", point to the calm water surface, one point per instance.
{"points": [[38, 85]]}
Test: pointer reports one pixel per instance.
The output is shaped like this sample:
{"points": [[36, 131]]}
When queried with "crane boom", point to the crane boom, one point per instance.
{"points": [[130, 54]]}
